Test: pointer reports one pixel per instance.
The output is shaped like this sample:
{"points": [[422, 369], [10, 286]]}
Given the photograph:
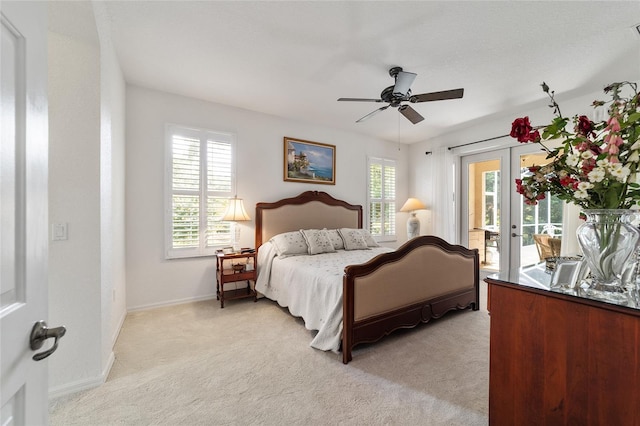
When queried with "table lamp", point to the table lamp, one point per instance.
{"points": [[413, 224], [236, 213]]}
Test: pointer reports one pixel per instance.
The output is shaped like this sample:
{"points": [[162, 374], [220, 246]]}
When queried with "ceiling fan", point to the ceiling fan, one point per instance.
{"points": [[401, 92]]}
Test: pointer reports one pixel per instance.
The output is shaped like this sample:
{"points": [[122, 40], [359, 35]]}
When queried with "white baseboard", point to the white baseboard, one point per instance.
{"points": [[92, 382], [83, 384], [170, 303]]}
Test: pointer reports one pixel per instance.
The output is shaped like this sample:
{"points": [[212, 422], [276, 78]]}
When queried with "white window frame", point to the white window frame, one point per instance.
{"points": [[203, 135], [384, 200]]}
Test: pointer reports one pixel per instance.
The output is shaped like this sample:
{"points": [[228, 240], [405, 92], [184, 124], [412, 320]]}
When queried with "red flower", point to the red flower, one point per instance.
{"points": [[521, 130], [584, 126]]}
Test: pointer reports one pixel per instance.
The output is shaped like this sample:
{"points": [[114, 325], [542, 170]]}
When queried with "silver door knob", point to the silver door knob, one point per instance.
{"points": [[39, 333]]}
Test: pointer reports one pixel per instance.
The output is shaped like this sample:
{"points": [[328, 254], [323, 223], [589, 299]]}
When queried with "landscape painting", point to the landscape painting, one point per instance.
{"points": [[311, 162]]}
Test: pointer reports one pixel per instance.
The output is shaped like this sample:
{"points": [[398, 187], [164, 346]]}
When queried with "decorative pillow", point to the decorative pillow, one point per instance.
{"points": [[335, 238], [318, 241], [290, 244], [353, 239], [368, 238]]}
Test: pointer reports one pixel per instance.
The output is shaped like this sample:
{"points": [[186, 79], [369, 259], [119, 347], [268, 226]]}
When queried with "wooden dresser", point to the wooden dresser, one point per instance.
{"points": [[559, 359]]}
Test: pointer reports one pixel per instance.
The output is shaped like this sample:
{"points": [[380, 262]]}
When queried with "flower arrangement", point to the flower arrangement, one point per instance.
{"points": [[597, 164]]}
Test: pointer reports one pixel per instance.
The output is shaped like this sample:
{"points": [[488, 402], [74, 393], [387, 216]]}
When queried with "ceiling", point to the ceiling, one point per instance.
{"points": [[294, 59]]}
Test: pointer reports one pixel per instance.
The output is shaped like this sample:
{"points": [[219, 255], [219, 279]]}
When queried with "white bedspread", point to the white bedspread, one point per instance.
{"points": [[311, 287]]}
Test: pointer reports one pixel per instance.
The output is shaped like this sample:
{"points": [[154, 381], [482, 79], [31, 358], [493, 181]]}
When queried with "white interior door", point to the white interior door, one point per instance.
{"points": [[23, 210]]}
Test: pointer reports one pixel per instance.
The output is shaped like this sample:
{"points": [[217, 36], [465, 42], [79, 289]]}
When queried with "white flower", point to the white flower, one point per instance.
{"points": [[620, 172], [583, 186], [602, 163], [586, 155], [581, 195], [572, 160], [596, 175], [634, 157], [636, 145], [539, 177]]}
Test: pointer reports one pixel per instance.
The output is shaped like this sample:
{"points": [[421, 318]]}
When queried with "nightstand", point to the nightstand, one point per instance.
{"points": [[235, 267]]}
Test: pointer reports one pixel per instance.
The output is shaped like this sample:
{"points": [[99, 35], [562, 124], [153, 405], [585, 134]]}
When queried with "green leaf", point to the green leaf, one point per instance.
{"points": [[634, 117]]}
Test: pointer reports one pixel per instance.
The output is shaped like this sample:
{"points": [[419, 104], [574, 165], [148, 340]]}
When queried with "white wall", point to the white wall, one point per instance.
{"points": [[154, 281], [86, 191], [112, 190], [74, 199]]}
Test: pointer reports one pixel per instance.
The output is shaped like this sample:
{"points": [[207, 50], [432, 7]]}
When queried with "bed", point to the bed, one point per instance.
{"points": [[358, 295]]}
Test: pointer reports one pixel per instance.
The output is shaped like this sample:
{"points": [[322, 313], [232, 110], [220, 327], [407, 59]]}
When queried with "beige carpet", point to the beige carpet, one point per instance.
{"points": [[251, 363]]}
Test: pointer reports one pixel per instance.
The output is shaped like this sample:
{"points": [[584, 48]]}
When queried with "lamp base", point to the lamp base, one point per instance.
{"points": [[236, 237], [413, 227]]}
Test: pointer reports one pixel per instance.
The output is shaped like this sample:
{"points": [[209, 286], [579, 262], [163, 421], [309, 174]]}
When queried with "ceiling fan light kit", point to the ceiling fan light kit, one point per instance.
{"points": [[401, 92]]}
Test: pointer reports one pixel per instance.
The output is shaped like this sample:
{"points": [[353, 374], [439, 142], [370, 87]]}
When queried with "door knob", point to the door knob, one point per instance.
{"points": [[39, 333], [513, 234]]}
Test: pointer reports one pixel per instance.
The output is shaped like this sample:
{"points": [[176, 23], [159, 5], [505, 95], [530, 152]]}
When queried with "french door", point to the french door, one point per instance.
{"points": [[494, 218]]}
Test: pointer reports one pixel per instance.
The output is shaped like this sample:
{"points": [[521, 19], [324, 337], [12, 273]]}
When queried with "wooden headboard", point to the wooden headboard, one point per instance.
{"points": [[309, 210]]}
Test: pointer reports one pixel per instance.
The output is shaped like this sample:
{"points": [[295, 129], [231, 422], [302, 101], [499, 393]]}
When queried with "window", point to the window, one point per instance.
{"points": [[198, 188], [382, 199], [491, 205]]}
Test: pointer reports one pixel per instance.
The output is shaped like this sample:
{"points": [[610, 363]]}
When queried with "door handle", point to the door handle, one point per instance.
{"points": [[513, 234], [39, 333]]}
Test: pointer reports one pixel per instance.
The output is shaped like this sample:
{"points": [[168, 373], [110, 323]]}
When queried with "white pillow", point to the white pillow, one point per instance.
{"points": [[335, 238], [368, 238], [353, 239], [318, 241], [290, 244]]}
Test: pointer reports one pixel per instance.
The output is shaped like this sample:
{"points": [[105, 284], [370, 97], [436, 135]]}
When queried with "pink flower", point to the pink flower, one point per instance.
{"points": [[613, 125]]}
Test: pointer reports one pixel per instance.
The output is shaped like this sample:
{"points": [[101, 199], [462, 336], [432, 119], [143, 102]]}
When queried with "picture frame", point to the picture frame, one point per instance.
{"points": [[567, 274], [309, 162]]}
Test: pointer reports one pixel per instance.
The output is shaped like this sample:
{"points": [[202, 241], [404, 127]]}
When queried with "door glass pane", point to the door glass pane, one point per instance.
{"points": [[541, 224], [484, 212]]}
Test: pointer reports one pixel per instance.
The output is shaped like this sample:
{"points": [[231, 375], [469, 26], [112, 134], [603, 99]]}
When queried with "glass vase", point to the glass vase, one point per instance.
{"points": [[608, 241]]}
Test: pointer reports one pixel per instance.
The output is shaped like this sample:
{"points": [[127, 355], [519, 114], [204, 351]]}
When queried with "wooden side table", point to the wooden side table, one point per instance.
{"points": [[235, 267]]}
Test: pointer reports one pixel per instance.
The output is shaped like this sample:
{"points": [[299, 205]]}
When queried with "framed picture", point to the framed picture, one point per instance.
{"points": [[567, 274], [310, 162]]}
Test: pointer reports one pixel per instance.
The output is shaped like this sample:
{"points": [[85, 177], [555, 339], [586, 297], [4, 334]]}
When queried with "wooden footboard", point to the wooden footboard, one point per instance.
{"points": [[423, 279]]}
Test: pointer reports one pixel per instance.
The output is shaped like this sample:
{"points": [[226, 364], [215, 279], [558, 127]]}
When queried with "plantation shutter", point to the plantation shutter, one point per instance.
{"points": [[200, 185], [382, 198], [219, 184], [389, 179]]}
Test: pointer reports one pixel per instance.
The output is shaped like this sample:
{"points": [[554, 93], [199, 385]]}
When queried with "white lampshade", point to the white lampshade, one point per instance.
{"points": [[235, 211], [412, 204]]}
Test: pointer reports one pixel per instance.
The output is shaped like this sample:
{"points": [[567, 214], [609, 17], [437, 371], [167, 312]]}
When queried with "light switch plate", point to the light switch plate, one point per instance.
{"points": [[59, 232]]}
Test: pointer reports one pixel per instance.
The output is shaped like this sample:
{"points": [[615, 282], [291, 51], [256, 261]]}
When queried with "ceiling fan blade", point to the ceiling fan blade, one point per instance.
{"points": [[360, 100], [371, 114], [437, 96], [403, 83], [411, 114]]}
